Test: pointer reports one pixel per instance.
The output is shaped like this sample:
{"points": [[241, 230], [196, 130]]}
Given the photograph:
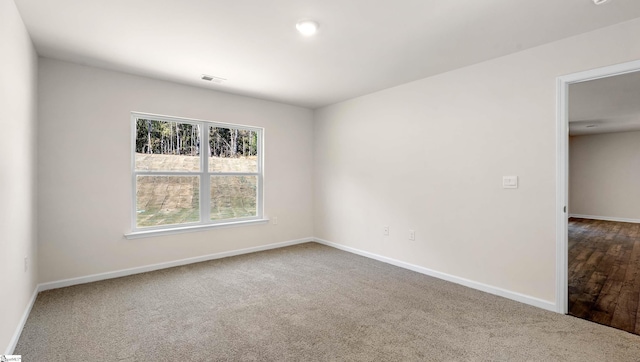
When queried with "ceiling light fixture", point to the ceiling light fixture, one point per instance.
{"points": [[307, 27], [600, 2]]}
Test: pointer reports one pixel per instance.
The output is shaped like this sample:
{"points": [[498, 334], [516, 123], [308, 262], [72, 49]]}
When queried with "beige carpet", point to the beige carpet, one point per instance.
{"points": [[303, 303]]}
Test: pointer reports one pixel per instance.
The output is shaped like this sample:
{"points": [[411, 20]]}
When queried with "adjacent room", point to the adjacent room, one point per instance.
{"points": [[232, 180], [604, 224]]}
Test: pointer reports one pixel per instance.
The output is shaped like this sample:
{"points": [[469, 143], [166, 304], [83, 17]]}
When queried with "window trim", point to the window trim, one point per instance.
{"points": [[189, 229], [205, 178]]}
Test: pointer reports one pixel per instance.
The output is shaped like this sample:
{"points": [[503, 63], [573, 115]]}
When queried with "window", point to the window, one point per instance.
{"points": [[190, 173]]}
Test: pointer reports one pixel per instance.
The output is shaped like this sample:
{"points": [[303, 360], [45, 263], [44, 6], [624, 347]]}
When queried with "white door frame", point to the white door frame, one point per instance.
{"points": [[562, 172]]}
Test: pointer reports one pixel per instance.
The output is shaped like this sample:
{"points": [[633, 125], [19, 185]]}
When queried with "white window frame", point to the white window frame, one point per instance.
{"points": [[204, 176]]}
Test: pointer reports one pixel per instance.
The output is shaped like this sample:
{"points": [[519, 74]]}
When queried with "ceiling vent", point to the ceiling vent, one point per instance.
{"points": [[211, 78]]}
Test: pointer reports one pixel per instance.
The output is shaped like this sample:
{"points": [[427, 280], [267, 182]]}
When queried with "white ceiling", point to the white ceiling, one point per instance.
{"points": [[605, 105], [362, 45]]}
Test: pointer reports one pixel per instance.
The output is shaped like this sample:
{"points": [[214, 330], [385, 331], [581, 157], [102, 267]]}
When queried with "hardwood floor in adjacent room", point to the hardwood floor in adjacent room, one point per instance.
{"points": [[604, 272]]}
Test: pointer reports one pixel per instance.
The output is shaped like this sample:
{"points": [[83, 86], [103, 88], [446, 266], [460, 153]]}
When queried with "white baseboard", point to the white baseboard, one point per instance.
{"points": [[23, 320], [170, 264], [522, 298], [605, 218]]}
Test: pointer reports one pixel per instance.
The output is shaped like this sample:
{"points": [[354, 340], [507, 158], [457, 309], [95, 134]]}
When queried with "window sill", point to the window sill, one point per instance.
{"points": [[189, 229]]}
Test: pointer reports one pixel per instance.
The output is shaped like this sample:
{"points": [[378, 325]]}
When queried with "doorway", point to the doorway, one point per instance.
{"points": [[596, 247]]}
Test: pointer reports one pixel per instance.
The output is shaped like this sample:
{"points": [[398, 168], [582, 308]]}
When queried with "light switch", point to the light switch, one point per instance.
{"points": [[509, 182]]}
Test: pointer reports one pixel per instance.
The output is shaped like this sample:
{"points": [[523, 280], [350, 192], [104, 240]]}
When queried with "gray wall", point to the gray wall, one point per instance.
{"points": [[85, 169], [18, 67], [604, 175], [430, 155]]}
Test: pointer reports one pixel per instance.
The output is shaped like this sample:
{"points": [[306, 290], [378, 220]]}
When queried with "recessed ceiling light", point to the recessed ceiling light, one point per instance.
{"points": [[307, 27], [600, 2]]}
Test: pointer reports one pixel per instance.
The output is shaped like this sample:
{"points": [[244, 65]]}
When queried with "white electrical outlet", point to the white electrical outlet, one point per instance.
{"points": [[385, 231], [412, 235], [275, 220], [26, 263]]}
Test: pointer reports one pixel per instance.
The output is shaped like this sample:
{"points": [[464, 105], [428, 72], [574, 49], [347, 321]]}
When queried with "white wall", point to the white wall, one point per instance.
{"points": [[18, 67], [430, 155], [604, 175], [85, 177]]}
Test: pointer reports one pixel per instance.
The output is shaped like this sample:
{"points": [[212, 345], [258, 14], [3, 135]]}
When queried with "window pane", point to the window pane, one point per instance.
{"points": [[233, 150], [165, 200], [233, 197], [167, 146]]}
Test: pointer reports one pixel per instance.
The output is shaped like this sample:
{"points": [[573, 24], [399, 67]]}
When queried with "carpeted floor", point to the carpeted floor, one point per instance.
{"points": [[303, 303]]}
